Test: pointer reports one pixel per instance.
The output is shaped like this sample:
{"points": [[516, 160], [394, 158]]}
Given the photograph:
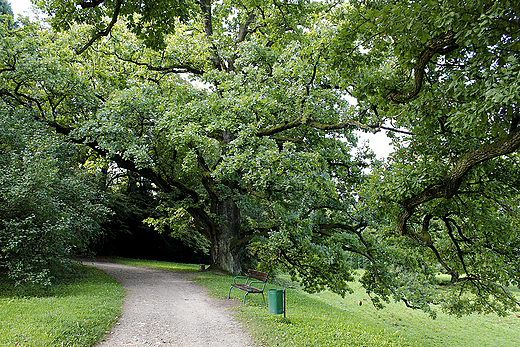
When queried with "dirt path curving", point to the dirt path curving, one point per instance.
{"points": [[167, 309]]}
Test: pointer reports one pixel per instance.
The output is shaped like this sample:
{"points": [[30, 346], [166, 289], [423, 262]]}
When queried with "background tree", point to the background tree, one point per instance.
{"points": [[5, 8]]}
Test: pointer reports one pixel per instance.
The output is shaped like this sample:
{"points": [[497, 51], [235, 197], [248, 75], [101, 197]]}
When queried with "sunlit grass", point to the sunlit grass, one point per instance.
{"points": [[77, 312], [310, 321], [417, 326], [160, 265]]}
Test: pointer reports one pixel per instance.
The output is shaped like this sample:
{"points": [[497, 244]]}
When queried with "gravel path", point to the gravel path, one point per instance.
{"points": [[167, 309]]}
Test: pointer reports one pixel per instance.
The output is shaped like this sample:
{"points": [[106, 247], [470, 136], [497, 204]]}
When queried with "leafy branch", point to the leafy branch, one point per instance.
{"points": [[441, 44], [454, 179], [109, 27]]}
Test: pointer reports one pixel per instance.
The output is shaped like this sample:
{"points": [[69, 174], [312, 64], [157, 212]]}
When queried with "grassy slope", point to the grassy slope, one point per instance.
{"points": [[325, 319], [74, 313], [473, 330]]}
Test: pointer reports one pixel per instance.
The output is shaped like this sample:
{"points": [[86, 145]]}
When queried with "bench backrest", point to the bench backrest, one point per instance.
{"points": [[257, 275]]}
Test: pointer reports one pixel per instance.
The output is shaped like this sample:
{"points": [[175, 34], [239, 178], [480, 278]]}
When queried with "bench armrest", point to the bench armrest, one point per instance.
{"points": [[235, 279], [261, 282]]}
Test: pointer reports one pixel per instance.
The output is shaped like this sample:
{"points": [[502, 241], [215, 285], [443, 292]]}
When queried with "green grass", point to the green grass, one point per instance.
{"points": [[310, 320], [161, 265], [421, 330], [76, 312], [326, 319]]}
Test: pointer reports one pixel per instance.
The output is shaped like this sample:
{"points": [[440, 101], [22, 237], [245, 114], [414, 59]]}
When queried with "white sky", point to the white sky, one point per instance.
{"points": [[379, 142], [20, 6]]}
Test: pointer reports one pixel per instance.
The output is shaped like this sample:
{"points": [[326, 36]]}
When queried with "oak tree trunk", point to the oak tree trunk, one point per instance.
{"points": [[225, 254]]}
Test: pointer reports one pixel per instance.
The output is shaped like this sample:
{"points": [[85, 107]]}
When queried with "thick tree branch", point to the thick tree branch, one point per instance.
{"points": [[166, 185], [91, 3], [279, 128], [242, 34], [342, 125], [441, 44], [107, 30], [317, 125], [374, 130], [346, 227], [174, 68], [207, 180], [452, 183], [244, 28], [205, 6]]}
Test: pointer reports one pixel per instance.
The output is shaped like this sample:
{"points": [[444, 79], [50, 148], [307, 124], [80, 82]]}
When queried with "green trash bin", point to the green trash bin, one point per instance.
{"points": [[276, 299]]}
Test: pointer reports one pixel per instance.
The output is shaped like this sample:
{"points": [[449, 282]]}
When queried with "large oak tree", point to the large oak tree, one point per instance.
{"points": [[264, 147], [256, 134]]}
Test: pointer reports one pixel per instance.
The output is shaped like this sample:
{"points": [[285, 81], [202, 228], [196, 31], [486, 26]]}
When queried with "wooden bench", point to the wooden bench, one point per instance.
{"points": [[252, 277]]}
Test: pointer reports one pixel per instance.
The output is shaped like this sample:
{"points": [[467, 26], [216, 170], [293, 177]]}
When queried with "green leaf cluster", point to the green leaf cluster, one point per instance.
{"points": [[50, 207]]}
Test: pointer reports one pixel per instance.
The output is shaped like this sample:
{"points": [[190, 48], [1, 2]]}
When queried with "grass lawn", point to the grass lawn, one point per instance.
{"points": [[326, 319], [161, 265], [75, 313], [80, 310]]}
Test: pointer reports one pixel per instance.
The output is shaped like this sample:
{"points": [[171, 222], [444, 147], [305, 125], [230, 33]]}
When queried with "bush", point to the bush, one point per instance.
{"points": [[50, 206]]}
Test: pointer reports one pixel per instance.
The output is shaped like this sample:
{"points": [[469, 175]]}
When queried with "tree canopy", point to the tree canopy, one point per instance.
{"points": [[5, 8], [263, 153]]}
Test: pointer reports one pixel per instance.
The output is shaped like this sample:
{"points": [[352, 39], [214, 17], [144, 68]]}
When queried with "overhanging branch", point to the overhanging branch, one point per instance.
{"points": [[313, 124], [107, 30], [173, 68], [453, 181], [441, 44]]}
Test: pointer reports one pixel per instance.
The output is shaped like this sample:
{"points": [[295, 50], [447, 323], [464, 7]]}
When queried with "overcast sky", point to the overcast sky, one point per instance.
{"points": [[20, 6]]}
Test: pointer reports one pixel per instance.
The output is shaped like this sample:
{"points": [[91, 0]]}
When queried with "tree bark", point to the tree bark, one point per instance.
{"points": [[225, 252]]}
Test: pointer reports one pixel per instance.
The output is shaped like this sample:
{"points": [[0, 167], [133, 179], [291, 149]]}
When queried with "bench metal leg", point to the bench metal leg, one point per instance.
{"points": [[245, 296]]}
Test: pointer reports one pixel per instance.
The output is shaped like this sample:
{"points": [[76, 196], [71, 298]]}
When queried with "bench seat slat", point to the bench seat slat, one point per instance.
{"points": [[246, 288], [257, 273]]}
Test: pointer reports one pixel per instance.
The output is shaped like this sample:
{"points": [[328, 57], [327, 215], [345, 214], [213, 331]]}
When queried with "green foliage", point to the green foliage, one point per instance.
{"points": [[467, 102], [50, 208], [180, 225], [5, 8], [6, 14], [76, 312], [150, 20]]}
